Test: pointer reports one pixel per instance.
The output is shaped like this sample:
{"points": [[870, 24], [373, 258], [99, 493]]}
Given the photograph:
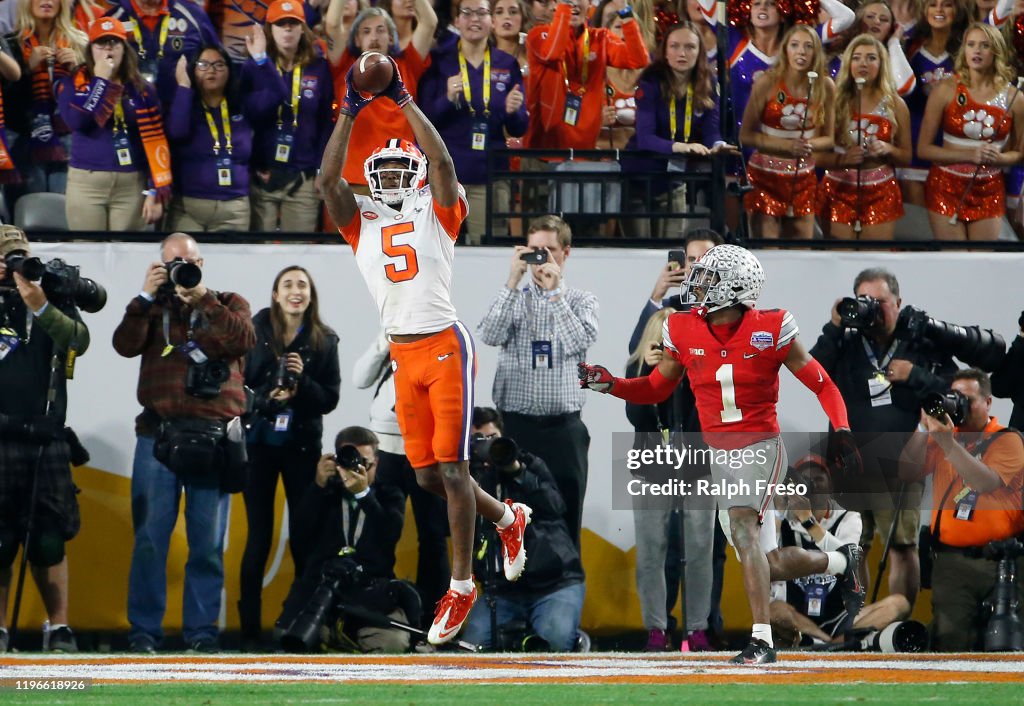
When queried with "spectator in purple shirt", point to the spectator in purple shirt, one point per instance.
{"points": [[119, 175], [676, 113], [292, 118], [211, 143], [162, 31], [474, 93]]}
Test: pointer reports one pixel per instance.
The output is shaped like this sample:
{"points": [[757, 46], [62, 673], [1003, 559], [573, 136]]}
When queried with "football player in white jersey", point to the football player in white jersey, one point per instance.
{"points": [[403, 238]]}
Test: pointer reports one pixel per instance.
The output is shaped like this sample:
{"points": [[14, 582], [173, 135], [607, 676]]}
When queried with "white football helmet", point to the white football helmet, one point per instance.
{"points": [[412, 175], [724, 276]]}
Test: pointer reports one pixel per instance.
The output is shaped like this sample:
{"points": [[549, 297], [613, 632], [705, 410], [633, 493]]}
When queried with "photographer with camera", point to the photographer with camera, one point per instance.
{"points": [[548, 597], [977, 469], [882, 371], [350, 521], [544, 331], [295, 376], [1008, 380], [40, 336], [810, 607], [192, 342]]}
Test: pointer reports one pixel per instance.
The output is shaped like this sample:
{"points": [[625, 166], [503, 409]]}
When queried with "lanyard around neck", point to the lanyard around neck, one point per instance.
{"points": [[585, 70], [296, 94], [464, 70], [225, 121], [687, 115], [164, 27]]}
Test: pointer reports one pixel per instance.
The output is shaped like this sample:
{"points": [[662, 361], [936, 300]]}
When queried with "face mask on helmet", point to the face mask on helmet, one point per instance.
{"points": [[394, 173], [725, 276]]}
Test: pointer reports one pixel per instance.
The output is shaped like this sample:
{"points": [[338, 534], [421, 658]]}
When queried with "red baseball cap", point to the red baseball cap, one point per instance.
{"points": [[107, 27], [286, 9]]}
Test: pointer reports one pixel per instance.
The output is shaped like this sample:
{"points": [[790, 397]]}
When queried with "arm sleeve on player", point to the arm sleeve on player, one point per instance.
{"points": [[451, 217], [815, 379], [651, 389], [350, 231]]}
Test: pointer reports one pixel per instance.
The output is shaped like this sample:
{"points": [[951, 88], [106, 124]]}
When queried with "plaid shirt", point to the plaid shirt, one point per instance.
{"points": [[223, 331], [517, 319]]}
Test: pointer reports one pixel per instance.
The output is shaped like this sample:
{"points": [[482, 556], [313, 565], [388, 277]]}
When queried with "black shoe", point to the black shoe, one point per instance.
{"points": [[5, 640], [757, 652], [63, 640], [142, 645], [852, 589], [204, 645]]}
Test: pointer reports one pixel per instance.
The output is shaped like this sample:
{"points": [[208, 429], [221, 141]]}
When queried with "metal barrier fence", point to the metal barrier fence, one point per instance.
{"points": [[630, 194]]}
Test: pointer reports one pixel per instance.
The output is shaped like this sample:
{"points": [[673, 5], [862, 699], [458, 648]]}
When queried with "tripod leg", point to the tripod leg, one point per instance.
{"points": [[900, 499]]}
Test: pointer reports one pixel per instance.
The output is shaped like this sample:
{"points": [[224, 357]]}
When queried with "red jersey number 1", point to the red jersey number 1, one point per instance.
{"points": [[406, 252]]}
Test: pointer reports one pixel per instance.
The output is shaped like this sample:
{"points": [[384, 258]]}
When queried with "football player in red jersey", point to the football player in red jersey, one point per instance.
{"points": [[732, 353]]}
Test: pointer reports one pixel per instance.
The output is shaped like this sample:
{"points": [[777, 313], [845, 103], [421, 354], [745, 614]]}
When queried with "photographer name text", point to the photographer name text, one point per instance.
{"points": [[708, 488]]}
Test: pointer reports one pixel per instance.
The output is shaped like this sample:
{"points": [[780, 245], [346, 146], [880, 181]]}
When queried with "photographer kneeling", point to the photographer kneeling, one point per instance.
{"points": [[192, 341], [348, 576], [35, 327], [978, 471], [548, 597]]}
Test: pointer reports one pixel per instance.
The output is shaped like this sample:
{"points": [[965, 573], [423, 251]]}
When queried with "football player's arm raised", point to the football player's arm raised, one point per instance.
{"points": [[444, 185], [649, 389], [336, 192]]}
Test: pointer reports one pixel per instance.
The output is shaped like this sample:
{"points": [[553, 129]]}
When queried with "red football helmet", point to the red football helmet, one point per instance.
{"points": [[411, 171]]}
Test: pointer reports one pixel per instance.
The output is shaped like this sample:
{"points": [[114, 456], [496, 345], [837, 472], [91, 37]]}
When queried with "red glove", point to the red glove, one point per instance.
{"points": [[595, 377], [396, 89]]}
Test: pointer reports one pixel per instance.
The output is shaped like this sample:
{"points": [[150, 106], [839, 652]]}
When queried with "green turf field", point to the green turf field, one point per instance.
{"points": [[527, 695]]}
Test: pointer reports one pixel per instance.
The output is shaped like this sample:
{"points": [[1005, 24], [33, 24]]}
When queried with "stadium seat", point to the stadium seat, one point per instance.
{"points": [[42, 211]]}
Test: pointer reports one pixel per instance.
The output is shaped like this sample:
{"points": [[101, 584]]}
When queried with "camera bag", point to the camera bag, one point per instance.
{"points": [[191, 447]]}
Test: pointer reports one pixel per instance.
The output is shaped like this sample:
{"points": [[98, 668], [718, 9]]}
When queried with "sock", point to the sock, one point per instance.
{"points": [[762, 631], [465, 586], [54, 626], [507, 519], [836, 563]]}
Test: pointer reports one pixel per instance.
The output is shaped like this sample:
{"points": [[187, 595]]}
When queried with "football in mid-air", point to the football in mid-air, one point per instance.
{"points": [[373, 72]]}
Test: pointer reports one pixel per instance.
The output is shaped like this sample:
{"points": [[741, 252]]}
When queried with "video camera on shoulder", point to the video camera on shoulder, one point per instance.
{"points": [[60, 281], [859, 313], [953, 403], [180, 273]]}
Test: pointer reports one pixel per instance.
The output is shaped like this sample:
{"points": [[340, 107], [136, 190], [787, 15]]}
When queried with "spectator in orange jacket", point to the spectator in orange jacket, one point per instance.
{"points": [[565, 85]]}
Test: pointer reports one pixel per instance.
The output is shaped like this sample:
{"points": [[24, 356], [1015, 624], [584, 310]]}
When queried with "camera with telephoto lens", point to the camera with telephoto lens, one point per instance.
{"points": [[284, 378], [1004, 632], [341, 576], [181, 273], [204, 380], [859, 312], [347, 457], [60, 281], [975, 346], [953, 403], [903, 636], [501, 453]]}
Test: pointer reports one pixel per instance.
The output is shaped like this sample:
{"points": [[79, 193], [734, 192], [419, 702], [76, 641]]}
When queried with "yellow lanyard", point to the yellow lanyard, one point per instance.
{"points": [[687, 116], [585, 71], [225, 120], [296, 94], [464, 70], [164, 26], [119, 121]]}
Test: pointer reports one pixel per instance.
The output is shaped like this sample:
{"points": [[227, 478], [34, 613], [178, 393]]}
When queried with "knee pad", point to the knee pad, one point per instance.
{"points": [[9, 541], [46, 548]]}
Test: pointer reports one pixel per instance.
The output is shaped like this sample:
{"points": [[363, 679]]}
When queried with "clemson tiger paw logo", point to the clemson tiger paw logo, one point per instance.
{"points": [[979, 124], [864, 130], [793, 116]]}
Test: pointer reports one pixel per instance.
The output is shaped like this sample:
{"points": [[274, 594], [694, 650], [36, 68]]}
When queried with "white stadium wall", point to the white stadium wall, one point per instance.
{"points": [[983, 289]]}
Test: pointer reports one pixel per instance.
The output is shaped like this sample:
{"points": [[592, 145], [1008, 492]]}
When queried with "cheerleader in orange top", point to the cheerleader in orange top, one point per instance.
{"points": [[872, 136], [787, 119], [981, 116]]}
